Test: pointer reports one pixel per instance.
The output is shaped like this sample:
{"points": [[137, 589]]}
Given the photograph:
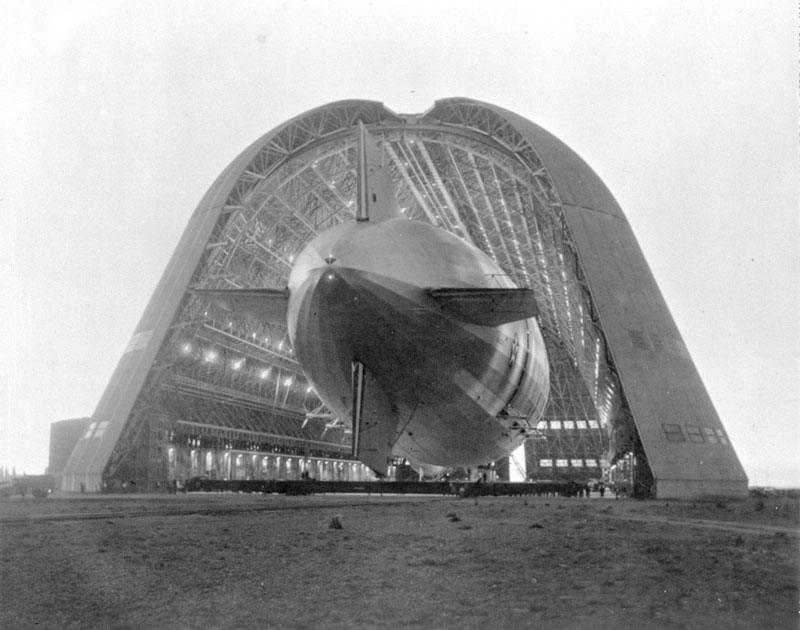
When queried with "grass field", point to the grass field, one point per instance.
{"points": [[240, 561]]}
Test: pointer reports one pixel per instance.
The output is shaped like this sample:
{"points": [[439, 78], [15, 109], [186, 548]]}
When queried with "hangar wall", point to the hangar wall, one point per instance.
{"points": [[683, 437]]}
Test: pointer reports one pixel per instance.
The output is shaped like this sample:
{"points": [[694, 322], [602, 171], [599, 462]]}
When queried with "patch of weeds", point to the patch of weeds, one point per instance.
{"points": [[335, 523]]}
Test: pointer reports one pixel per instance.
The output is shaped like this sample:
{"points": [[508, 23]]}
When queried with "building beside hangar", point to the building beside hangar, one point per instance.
{"points": [[200, 392], [64, 435]]}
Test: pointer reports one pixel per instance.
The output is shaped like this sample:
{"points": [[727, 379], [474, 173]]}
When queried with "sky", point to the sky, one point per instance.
{"points": [[116, 117]]}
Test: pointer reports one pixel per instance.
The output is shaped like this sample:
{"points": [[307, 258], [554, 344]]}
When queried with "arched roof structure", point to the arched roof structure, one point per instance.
{"points": [[622, 380]]}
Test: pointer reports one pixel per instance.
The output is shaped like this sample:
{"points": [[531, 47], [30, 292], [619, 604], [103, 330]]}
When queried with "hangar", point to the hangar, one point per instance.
{"points": [[203, 392]]}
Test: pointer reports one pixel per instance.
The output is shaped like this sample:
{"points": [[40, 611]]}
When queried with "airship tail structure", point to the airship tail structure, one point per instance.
{"points": [[377, 200]]}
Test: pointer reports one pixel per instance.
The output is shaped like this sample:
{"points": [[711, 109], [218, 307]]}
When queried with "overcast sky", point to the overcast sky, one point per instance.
{"points": [[117, 116]]}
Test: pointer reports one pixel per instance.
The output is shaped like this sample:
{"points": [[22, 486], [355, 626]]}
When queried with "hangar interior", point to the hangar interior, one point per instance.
{"points": [[201, 392]]}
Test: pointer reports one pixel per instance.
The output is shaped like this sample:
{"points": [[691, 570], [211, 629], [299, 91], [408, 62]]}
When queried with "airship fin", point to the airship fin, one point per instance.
{"points": [[377, 200], [374, 423], [256, 304], [486, 307]]}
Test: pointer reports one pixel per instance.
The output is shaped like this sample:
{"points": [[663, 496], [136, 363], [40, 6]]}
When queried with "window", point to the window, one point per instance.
{"points": [[695, 434], [593, 424], [562, 463], [591, 463], [576, 463], [721, 435], [545, 463], [89, 431], [710, 435], [581, 424], [541, 425], [569, 424], [673, 432], [555, 424]]}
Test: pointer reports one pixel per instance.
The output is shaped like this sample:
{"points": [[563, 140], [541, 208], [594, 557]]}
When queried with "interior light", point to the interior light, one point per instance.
{"points": [[210, 356]]}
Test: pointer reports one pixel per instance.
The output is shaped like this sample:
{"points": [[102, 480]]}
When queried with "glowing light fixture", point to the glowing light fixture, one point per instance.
{"points": [[210, 356]]}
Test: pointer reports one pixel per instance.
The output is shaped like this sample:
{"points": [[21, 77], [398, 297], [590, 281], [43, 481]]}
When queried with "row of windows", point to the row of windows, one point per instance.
{"points": [[96, 429], [697, 435], [569, 463], [543, 425]]}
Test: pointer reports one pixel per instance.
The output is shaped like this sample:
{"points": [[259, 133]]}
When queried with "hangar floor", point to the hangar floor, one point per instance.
{"points": [[239, 561]]}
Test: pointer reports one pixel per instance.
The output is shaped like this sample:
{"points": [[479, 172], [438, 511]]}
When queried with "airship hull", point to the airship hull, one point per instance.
{"points": [[445, 392]]}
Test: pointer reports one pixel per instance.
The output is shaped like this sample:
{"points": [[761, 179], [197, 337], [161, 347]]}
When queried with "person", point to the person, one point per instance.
{"points": [[602, 488]]}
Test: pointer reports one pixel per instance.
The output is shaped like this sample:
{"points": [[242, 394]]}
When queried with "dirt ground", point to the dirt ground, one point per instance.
{"points": [[237, 561]]}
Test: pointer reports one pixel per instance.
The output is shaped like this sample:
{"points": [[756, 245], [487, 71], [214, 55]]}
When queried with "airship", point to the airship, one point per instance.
{"points": [[413, 338]]}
